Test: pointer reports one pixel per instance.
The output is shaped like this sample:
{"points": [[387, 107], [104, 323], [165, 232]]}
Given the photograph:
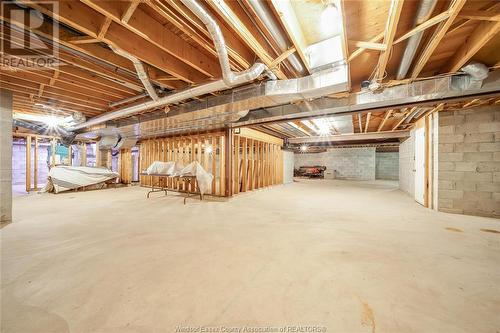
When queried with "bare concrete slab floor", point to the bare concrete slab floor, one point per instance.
{"points": [[347, 256]]}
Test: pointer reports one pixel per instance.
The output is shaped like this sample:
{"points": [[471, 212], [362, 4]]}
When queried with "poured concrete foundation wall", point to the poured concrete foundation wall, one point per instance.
{"points": [[347, 163], [469, 161], [387, 165], [407, 165]]}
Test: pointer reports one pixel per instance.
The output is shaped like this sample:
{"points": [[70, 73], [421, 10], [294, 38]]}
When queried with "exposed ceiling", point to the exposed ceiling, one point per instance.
{"points": [[178, 52]]}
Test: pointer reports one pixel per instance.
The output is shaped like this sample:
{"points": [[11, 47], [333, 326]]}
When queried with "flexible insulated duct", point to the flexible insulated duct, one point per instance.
{"points": [[141, 72], [229, 78], [267, 18], [424, 12]]}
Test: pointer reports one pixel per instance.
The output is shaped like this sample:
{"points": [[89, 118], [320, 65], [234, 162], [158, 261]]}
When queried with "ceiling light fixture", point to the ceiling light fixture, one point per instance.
{"points": [[303, 148]]}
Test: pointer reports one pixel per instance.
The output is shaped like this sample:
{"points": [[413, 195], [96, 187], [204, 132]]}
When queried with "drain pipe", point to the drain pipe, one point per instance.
{"points": [[141, 72], [424, 12], [229, 78], [263, 12]]}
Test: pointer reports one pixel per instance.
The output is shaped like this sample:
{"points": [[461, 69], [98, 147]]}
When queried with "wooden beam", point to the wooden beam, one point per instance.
{"points": [[28, 164], [386, 116], [185, 20], [480, 15], [404, 118], [82, 40], [423, 26], [179, 53], [368, 45], [87, 20], [282, 57], [436, 38], [484, 32], [104, 28], [359, 51], [226, 12], [368, 116], [130, 10], [390, 32], [351, 137]]}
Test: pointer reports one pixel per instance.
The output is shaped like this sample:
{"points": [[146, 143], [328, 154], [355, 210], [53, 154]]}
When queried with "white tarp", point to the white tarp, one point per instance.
{"points": [[165, 168], [64, 178], [176, 169]]}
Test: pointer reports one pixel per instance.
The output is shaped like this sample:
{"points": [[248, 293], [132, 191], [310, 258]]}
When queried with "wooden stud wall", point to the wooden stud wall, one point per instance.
{"points": [[186, 149], [252, 163], [32, 141], [125, 168], [256, 164]]}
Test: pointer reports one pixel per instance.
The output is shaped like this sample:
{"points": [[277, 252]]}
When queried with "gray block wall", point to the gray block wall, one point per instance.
{"points": [[387, 165], [407, 165], [349, 163], [469, 161], [288, 163]]}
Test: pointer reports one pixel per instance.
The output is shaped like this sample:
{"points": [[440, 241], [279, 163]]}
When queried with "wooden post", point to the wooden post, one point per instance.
{"points": [[35, 166], [84, 154], [53, 152], [28, 164], [229, 162], [70, 155]]}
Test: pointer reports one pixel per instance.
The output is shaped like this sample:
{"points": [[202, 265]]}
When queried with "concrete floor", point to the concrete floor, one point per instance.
{"points": [[345, 256]]}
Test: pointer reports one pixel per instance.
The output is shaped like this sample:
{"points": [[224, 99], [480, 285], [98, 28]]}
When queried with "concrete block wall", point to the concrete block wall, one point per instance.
{"points": [[469, 161], [407, 165], [387, 165], [349, 163], [288, 164], [19, 163]]}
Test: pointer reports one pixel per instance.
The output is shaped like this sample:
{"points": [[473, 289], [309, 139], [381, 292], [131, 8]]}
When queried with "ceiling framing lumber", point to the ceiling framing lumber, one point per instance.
{"points": [[367, 123], [175, 11], [437, 36], [406, 114], [421, 27], [140, 23], [484, 32], [360, 50], [368, 45], [234, 21], [382, 123], [350, 137], [480, 15], [390, 32], [85, 19]]}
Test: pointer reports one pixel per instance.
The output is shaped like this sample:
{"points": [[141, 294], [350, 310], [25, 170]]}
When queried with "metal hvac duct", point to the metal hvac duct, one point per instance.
{"points": [[424, 11], [141, 72], [267, 18], [229, 78]]}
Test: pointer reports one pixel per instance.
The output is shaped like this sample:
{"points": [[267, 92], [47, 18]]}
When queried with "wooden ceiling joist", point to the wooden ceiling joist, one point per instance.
{"points": [[88, 21], [436, 37], [390, 32], [423, 26], [382, 123], [140, 23], [236, 48], [360, 50], [482, 15], [367, 123], [235, 22], [479, 37]]}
